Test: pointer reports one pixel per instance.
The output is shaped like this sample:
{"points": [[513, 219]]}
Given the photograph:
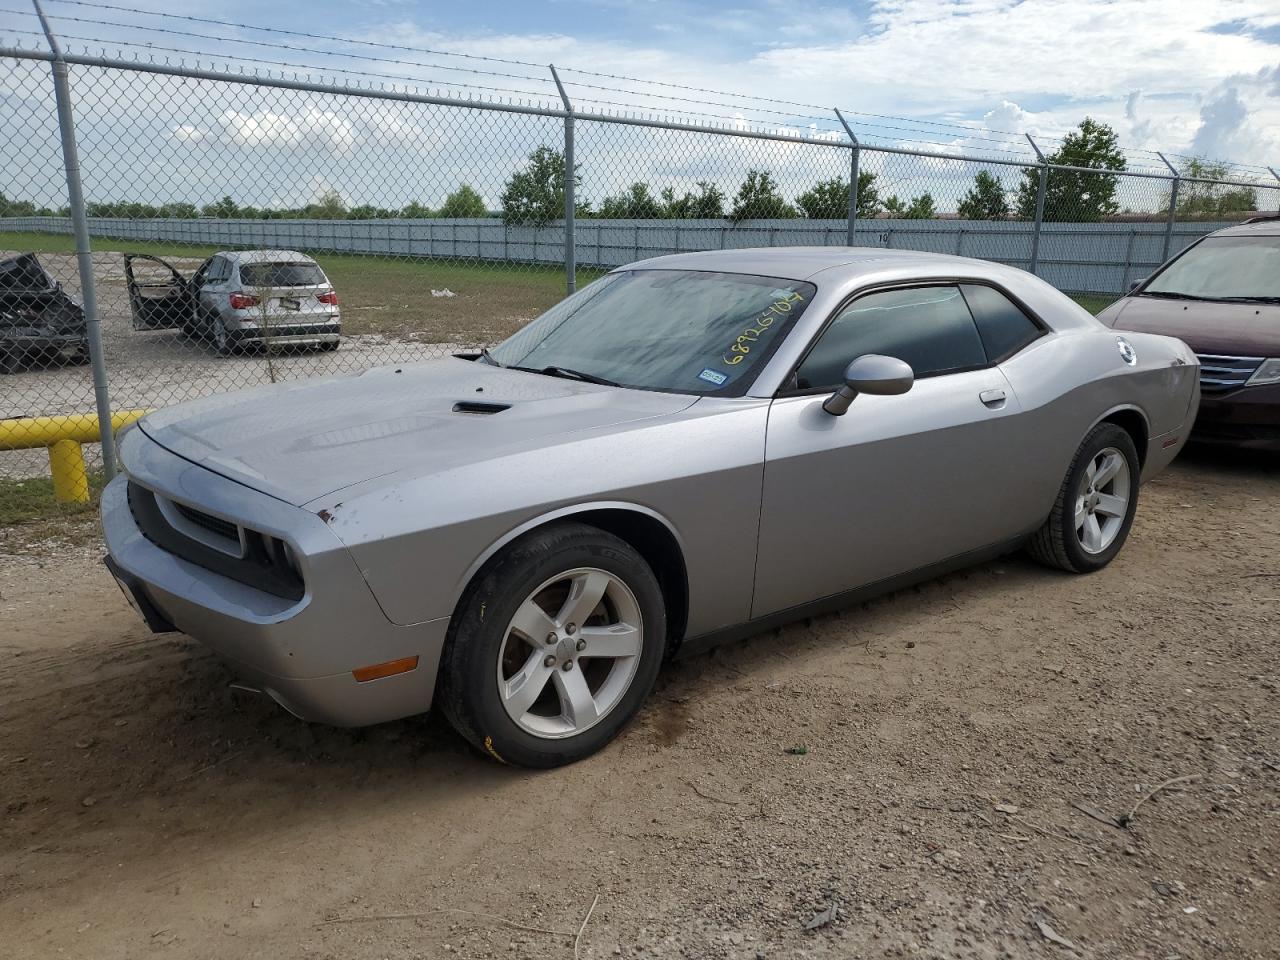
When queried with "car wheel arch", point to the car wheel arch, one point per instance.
{"points": [[651, 534], [1133, 421]]}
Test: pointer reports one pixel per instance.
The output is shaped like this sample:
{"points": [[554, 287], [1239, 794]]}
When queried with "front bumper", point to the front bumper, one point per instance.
{"points": [[301, 653], [1247, 417]]}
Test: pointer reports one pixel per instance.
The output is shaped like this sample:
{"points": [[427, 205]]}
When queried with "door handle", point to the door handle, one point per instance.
{"points": [[993, 398]]}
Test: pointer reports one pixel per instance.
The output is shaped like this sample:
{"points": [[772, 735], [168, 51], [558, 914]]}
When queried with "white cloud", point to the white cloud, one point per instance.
{"points": [[188, 133], [1240, 120], [307, 128], [931, 59]]}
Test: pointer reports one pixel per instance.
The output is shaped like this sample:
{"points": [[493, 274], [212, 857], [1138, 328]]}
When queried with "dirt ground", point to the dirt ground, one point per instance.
{"points": [[964, 742]]}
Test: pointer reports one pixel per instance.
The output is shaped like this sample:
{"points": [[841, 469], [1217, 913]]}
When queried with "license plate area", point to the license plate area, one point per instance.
{"points": [[291, 303]]}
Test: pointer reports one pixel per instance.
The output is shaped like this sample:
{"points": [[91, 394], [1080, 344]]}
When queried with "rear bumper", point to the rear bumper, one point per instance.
{"points": [[301, 653], [64, 343], [1247, 417], [286, 330]]}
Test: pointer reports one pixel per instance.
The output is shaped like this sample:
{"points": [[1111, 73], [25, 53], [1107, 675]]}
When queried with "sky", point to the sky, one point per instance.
{"points": [[1186, 78]]}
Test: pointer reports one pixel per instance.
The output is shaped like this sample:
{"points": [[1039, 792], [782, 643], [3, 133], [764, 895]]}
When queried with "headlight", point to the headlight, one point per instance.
{"points": [[1268, 372]]}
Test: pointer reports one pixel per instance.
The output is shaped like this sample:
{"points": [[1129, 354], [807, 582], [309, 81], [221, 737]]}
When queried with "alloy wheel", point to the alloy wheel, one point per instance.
{"points": [[1102, 500], [570, 653]]}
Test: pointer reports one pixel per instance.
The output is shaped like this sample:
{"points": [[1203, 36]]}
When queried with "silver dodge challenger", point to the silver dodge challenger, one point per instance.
{"points": [[691, 449]]}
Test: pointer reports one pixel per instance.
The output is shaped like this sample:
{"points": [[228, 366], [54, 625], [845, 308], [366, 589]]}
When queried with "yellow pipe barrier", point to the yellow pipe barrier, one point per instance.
{"points": [[63, 436]]}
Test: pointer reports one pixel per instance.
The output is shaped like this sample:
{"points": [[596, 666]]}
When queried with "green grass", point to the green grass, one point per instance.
{"points": [[32, 500], [1095, 303]]}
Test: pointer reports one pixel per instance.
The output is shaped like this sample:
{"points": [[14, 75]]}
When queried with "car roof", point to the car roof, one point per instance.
{"points": [[803, 263], [1260, 227], [265, 256]]}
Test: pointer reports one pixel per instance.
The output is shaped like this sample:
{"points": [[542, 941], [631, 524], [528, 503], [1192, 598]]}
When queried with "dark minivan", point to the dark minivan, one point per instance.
{"points": [[1221, 296]]}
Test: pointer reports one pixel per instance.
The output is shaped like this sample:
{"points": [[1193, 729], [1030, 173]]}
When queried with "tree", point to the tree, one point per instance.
{"points": [[637, 203], [328, 206], [829, 200], [758, 199], [1210, 200], [534, 196], [1073, 195], [706, 204], [464, 202], [415, 211], [985, 200], [920, 208], [224, 209]]}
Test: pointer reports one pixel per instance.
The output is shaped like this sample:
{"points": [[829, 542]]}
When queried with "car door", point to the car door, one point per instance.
{"points": [[899, 482], [159, 296], [208, 286]]}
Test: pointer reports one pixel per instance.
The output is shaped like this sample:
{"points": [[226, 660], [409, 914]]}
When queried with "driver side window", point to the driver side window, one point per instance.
{"points": [[928, 327]]}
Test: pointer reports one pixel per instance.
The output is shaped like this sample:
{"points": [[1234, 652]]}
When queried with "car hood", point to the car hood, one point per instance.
{"points": [[1225, 329], [300, 441]]}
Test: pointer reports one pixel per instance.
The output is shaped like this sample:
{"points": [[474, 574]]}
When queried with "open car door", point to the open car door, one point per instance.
{"points": [[159, 296]]}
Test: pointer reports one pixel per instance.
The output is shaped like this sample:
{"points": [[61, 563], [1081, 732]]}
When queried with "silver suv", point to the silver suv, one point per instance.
{"points": [[237, 299]]}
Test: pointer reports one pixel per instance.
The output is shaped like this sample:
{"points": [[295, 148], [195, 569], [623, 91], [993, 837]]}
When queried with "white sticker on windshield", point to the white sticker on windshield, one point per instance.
{"points": [[713, 376]]}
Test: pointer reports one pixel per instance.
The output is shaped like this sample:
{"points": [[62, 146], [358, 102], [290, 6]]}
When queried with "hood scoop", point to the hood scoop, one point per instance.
{"points": [[482, 407]]}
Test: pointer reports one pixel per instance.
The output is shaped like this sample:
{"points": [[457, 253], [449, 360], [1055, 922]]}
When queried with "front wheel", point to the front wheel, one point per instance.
{"points": [[554, 647], [1096, 504]]}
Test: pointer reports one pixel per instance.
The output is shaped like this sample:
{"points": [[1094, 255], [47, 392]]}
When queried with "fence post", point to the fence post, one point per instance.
{"points": [[1277, 176], [570, 188], [84, 258], [1040, 192], [853, 175], [1173, 208]]}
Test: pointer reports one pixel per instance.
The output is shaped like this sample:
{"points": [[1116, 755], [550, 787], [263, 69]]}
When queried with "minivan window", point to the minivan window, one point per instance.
{"points": [[1222, 268], [928, 327], [281, 275], [683, 331]]}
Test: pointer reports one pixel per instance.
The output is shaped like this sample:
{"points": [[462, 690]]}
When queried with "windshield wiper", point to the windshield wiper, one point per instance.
{"points": [[568, 373], [488, 357], [1263, 299], [1171, 295]]}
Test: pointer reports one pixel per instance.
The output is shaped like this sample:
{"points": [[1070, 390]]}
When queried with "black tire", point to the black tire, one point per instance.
{"points": [[223, 345], [1057, 544], [468, 687]]}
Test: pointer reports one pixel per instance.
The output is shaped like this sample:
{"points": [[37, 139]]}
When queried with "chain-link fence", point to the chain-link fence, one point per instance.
{"points": [[252, 229]]}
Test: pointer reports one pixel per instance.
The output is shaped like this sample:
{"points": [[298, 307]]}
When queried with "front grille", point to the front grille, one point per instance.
{"points": [[1220, 374], [223, 528]]}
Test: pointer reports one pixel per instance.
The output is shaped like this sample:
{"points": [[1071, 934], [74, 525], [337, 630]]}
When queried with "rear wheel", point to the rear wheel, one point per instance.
{"points": [[10, 360], [1095, 506], [554, 647], [221, 340]]}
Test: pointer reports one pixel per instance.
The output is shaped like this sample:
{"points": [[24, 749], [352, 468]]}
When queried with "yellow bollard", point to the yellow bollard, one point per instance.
{"points": [[70, 480]]}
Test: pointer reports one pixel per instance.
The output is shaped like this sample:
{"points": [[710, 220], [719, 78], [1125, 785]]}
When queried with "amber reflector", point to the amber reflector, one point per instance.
{"points": [[388, 669]]}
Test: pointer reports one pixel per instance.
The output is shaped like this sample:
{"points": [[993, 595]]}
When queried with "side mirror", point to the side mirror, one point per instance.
{"points": [[870, 373], [1135, 284]]}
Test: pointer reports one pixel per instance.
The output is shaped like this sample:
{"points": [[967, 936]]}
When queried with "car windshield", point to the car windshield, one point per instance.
{"points": [[682, 331], [1223, 268], [281, 275]]}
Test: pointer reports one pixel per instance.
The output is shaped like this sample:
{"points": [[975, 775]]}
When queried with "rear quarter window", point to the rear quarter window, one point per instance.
{"points": [[1004, 327]]}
